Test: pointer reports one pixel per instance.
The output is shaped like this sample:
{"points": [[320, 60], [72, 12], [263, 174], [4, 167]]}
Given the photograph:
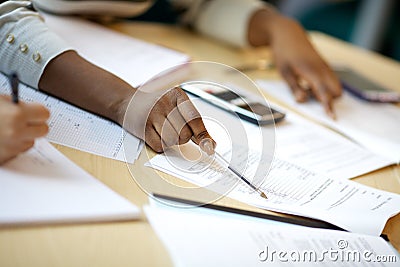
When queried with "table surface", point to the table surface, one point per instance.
{"points": [[134, 243]]}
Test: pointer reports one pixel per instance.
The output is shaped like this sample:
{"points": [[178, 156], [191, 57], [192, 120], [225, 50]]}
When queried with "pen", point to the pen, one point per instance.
{"points": [[298, 220], [14, 87], [221, 158]]}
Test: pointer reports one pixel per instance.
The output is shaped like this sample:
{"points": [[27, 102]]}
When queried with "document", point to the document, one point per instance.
{"points": [[295, 190], [290, 187], [295, 139], [373, 125], [43, 186], [195, 237], [73, 127]]}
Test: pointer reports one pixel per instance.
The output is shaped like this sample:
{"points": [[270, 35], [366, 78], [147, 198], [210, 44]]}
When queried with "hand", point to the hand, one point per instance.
{"points": [[300, 65], [160, 118], [164, 119], [20, 124]]}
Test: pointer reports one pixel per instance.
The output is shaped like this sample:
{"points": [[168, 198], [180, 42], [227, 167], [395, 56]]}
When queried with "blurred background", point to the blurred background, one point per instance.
{"points": [[372, 24]]}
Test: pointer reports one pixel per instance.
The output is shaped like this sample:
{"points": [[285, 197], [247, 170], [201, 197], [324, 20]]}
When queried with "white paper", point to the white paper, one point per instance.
{"points": [[376, 126], [197, 238], [42, 186], [132, 60], [76, 128], [323, 151], [296, 190]]}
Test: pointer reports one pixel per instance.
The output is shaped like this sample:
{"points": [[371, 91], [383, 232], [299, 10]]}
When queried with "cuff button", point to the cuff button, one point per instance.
{"points": [[36, 57], [10, 38], [23, 48]]}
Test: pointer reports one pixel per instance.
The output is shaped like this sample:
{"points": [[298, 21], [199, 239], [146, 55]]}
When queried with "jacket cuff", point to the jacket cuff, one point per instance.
{"points": [[28, 47], [227, 20]]}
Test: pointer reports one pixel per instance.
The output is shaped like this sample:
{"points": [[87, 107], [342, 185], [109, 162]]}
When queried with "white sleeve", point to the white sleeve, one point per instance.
{"points": [[226, 20], [27, 45]]}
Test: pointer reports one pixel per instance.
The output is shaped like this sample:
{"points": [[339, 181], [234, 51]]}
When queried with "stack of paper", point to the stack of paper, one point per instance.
{"points": [[290, 187], [42, 186], [197, 237]]}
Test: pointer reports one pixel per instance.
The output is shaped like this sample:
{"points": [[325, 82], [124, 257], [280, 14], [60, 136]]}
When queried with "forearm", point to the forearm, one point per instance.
{"points": [[72, 78], [267, 26]]}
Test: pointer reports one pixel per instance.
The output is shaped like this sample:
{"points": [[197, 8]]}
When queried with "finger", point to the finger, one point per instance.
{"points": [[165, 130], [15, 148], [323, 95], [35, 131], [26, 145], [153, 139], [35, 113], [318, 86], [193, 119], [10, 151], [333, 83], [292, 79], [5, 98], [180, 126]]}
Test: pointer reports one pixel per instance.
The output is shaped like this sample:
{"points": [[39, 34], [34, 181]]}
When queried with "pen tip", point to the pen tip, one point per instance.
{"points": [[262, 194]]}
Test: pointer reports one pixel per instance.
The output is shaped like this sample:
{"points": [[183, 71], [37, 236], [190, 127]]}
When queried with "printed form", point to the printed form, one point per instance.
{"points": [[223, 239], [73, 127], [295, 190]]}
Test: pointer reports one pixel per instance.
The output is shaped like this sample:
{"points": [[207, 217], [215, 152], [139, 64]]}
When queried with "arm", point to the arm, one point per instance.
{"points": [[257, 24], [151, 117], [299, 63]]}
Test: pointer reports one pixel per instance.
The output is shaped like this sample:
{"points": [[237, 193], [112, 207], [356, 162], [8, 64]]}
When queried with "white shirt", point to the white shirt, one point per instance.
{"points": [[27, 45]]}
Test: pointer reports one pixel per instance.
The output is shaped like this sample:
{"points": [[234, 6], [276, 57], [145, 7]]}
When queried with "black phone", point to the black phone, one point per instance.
{"points": [[364, 88], [224, 98]]}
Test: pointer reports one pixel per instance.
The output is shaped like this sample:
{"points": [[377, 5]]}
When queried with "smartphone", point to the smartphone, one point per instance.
{"points": [[364, 88], [224, 98]]}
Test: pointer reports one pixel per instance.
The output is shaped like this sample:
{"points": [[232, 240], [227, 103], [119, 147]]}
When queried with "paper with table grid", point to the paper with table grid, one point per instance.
{"points": [[76, 128]]}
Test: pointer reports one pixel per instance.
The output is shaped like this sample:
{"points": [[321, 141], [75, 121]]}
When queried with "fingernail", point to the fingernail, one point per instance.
{"points": [[299, 96], [333, 115], [207, 146]]}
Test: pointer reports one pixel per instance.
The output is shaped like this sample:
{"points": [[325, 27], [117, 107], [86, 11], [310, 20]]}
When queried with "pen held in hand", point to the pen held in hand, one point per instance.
{"points": [[221, 158], [14, 88]]}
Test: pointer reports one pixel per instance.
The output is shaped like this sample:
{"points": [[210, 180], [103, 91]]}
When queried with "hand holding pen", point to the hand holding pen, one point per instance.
{"points": [[20, 123], [241, 177]]}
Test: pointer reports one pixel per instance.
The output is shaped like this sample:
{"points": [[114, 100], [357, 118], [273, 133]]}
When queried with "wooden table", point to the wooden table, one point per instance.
{"points": [[134, 243]]}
